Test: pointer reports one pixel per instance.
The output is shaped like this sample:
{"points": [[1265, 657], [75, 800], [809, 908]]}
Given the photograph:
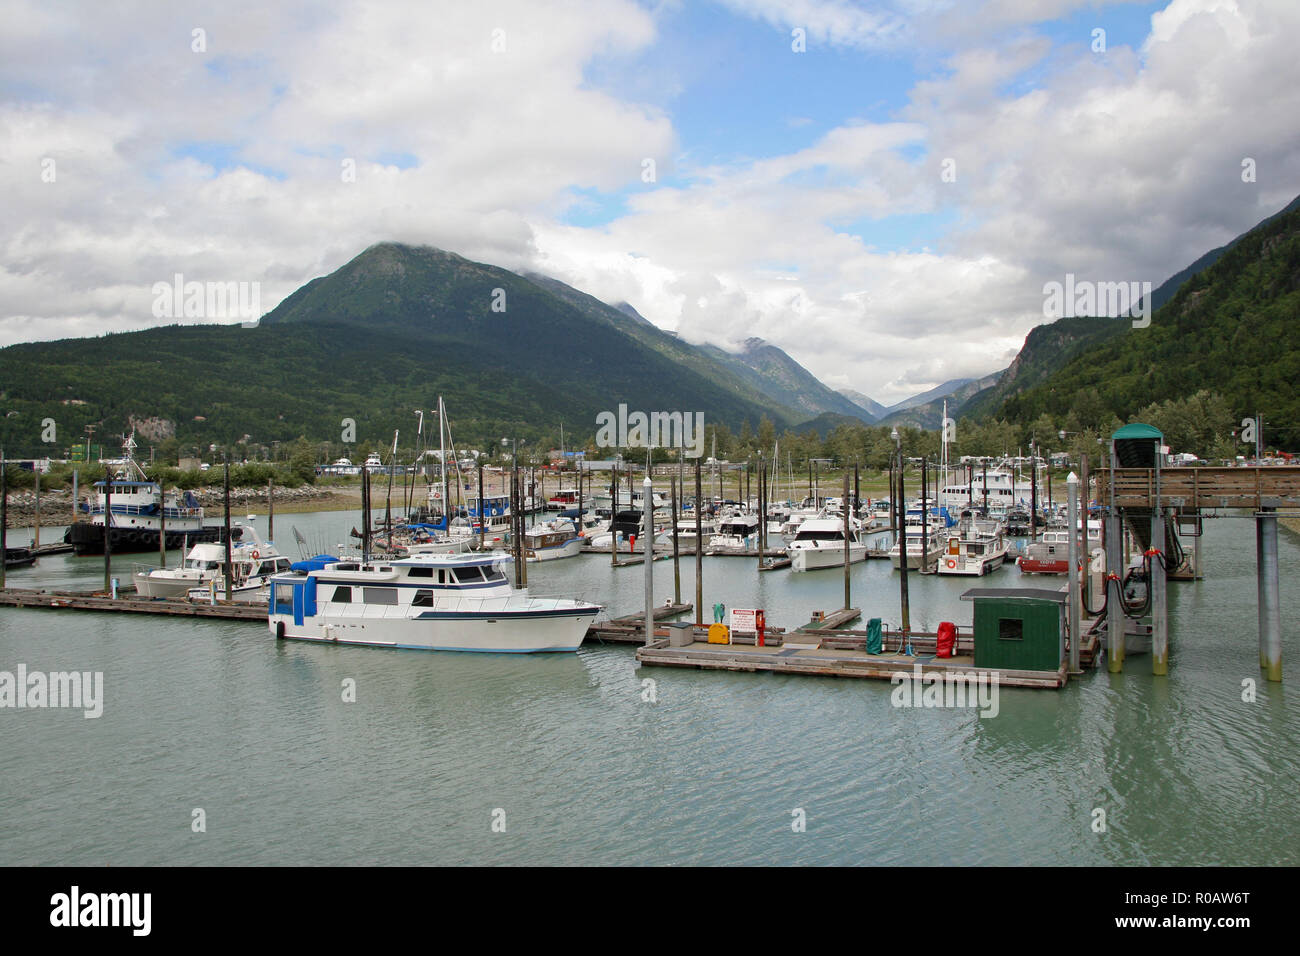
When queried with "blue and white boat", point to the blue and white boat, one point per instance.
{"points": [[550, 540], [441, 602]]}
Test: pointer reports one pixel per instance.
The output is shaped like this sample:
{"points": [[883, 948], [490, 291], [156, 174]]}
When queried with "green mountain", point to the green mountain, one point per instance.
{"points": [[1229, 330], [1046, 349], [1171, 285], [783, 380], [928, 413], [381, 336], [865, 402]]}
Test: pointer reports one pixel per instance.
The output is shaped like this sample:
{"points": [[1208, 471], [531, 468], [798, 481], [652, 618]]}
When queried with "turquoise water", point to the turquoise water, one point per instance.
{"points": [[217, 715]]}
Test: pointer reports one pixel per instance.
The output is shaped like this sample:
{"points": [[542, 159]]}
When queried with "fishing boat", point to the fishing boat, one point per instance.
{"points": [[139, 509], [819, 543], [549, 540], [1051, 554], [206, 562], [624, 532], [977, 548], [450, 602], [563, 499], [736, 533], [686, 541], [255, 562]]}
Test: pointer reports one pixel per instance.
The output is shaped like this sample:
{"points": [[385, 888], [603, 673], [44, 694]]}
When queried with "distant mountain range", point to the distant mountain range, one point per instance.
{"points": [[783, 380], [521, 355], [869, 405]]}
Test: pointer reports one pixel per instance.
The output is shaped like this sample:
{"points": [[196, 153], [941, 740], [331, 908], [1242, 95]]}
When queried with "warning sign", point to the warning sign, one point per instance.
{"points": [[744, 620]]}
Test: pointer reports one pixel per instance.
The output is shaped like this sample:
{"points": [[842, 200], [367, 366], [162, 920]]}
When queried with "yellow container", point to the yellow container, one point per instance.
{"points": [[719, 634]]}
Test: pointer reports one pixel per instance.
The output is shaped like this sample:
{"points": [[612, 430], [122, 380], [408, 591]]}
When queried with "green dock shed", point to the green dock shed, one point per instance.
{"points": [[1019, 628]]}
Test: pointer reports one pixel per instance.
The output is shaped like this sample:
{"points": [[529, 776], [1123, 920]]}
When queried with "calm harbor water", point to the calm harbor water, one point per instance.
{"points": [[217, 715]]}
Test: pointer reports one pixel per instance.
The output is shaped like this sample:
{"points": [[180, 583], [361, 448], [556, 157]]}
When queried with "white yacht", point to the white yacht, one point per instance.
{"points": [[1004, 491], [459, 602], [254, 559], [923, 550], [736, 533], [819, 543]]}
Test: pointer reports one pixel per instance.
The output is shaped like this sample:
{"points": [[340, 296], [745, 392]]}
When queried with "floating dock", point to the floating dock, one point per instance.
{"points": [[823, 659], [98, 601]]}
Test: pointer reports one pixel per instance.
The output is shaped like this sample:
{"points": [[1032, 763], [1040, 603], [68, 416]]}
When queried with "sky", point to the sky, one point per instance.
{"points": [[881, 189]]}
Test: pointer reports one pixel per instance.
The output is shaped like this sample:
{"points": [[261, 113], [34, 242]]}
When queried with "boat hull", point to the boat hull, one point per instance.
{"points": [[914, 560], [814, 559], [152, 586], [1036, 566], [88, 538], [487, 631], [968, 567], [569, 549]]}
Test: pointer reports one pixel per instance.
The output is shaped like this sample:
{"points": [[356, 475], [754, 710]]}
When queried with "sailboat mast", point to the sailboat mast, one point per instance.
{"points": [[442, 463]]}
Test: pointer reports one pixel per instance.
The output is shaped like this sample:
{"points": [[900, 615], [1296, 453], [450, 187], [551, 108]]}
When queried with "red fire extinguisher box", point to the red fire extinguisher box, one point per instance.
{"points": [[947, 640]]}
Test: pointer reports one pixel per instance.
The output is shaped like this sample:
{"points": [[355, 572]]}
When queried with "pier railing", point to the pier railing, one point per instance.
{"points": [[1264, 486]]}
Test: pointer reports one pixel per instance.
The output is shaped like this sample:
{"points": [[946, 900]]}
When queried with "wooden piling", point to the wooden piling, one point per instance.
{"points": [[4, 515], [162, 524], [901, 511], [1270, 617], [270, 509], [1158, 582], [613, 514], [699, 546], [108, 530], [230, 564], [848, 532], [677, 571]]}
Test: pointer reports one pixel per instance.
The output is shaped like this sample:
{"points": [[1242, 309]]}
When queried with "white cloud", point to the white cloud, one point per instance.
{"points": [[1123, 166]]}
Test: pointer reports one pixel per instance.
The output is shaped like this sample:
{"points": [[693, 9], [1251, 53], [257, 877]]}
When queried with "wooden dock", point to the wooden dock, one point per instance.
{"points": [[56, 548], [630, 628], [1189, 489], [833, 620], [822, 660], [98, 601]]}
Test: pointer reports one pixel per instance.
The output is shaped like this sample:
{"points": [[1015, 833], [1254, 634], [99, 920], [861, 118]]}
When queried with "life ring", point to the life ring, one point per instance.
{"points": [[255, 555], [952, 563]]}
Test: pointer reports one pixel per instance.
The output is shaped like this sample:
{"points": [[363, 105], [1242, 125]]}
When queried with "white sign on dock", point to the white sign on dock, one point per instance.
{"points": [[744, 621]]}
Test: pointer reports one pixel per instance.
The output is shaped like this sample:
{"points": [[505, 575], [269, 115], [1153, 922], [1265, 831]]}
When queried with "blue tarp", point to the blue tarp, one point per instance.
{"points": [[314, 564]]}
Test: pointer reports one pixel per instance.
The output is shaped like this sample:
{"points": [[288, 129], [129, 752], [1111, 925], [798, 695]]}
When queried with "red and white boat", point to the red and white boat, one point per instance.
{"points": [[1051, 554]]}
